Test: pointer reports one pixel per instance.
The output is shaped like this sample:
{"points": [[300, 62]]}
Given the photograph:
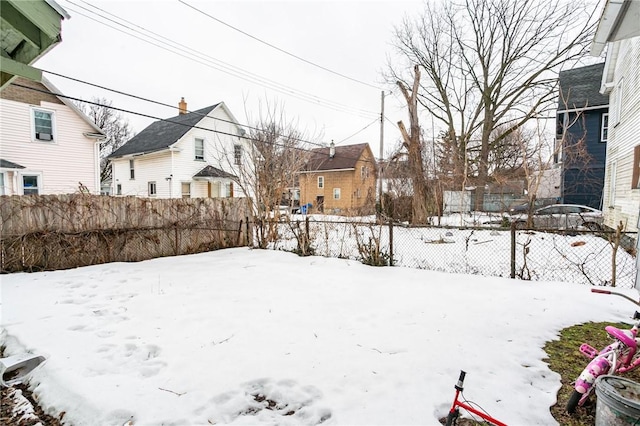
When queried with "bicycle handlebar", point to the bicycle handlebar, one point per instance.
{"points": [[600, 291], [460, 383]]}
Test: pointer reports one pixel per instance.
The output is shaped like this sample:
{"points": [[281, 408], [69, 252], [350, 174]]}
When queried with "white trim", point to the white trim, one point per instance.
{"points": [[54, 137], [589, 108], [603, 127], [152, 184], [327, 170], [39, 181], [55, 6], [3, 185], [606, 25], [71, 105], [618, 110], [195, 149]]}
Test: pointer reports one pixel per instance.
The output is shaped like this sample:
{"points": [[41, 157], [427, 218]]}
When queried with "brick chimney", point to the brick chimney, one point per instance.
{"points": [[182, 107]]}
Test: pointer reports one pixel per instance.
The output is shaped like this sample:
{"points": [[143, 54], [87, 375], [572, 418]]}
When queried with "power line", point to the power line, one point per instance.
{"points": [[359, 131], [174, 107], [276, 47], [177, 122], [211, 62]]}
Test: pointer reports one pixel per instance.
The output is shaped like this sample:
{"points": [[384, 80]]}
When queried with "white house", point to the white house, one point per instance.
{"points": [[195, 154], [47, 145], [619, 31]]}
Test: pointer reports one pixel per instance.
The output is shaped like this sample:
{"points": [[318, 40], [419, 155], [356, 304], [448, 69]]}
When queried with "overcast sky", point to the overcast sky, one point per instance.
{"points": [[352, 38]]}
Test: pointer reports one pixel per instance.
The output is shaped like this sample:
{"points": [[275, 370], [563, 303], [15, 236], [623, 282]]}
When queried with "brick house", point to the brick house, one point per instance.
{"points": [[48, 145], [339, 179]]}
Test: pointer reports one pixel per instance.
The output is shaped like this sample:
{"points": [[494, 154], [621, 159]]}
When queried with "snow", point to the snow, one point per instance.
{"points": [[243, 336], [582, 258]]}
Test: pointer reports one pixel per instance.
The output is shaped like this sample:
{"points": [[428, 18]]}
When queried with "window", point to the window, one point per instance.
{"points": [[320, 181], [336, 193], [119, 189], [152, 189], [2, 189], [42, 125], [228, 190], [364, 172], [635, 182], [30, 184], [199, 149], [237, 154], [358, 194], [186, 190], [604, 129], [132, 171]]}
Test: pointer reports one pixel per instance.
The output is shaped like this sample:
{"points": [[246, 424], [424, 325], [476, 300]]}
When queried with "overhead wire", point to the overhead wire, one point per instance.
{"points": [[276, 47], [359, 131], [176, 122], [189, 111], [171, 46]]}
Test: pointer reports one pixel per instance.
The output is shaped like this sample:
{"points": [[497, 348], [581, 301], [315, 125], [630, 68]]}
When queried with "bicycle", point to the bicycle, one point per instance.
{"points": [[454, 412], [619, 357]]}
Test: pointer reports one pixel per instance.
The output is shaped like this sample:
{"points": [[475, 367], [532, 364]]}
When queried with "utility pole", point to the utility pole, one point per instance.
{"points": [[381, 157]]}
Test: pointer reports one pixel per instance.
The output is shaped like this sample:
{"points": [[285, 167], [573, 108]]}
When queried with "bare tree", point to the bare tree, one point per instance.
{"points": [[412, 142], [276, 151], [490, 64], [115, 127]]}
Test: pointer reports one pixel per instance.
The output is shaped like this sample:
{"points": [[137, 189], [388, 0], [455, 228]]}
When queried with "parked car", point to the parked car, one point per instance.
{"points": [[538, 203], [562, 216]]}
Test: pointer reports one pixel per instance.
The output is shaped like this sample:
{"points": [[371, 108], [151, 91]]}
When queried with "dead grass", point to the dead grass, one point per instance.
{"points": [[566, 360]]}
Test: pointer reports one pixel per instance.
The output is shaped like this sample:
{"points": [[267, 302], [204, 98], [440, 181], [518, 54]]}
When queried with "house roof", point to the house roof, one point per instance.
{"points": [[160, 135], [580, 88], [345, 157], [6, 164], [619, 20], [210, 171]]}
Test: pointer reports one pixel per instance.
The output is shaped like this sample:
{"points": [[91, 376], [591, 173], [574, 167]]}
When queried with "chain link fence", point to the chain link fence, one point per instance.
{"points": [[599, 258]]}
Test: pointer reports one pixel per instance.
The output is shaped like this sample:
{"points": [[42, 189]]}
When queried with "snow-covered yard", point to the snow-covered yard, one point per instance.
{"points": [[245, 336]]}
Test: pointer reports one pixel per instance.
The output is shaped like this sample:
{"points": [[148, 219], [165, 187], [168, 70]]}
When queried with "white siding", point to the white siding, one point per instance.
{"points": [[148, 168], [180, 162], [71, 158], [623, 137]]}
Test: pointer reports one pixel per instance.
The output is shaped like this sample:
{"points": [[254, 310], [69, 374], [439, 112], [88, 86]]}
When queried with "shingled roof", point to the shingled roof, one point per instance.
{"points": [[580, 88], [345, 157], [162, 134], [210, 171], [6, 164]]}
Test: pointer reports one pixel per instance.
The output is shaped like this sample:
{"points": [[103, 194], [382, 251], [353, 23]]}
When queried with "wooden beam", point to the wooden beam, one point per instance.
{"points": [[13, 19], [10, 68], [45, 17]]}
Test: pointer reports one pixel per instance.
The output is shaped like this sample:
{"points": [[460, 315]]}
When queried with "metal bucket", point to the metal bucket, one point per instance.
{"points": [[618, 401]]}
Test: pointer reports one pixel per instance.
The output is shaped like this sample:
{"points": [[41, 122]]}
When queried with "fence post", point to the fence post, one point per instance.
{"points": [[306, 227], [390, 243], [239, 237], [247, 225], [177, 243], [513, 249]]}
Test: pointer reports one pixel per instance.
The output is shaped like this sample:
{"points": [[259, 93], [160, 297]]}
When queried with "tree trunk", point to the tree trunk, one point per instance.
{"points": [[414, 148]]}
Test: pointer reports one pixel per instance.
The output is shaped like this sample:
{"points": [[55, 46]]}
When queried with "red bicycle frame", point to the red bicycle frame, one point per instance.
{"points": [[454, 411]]}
